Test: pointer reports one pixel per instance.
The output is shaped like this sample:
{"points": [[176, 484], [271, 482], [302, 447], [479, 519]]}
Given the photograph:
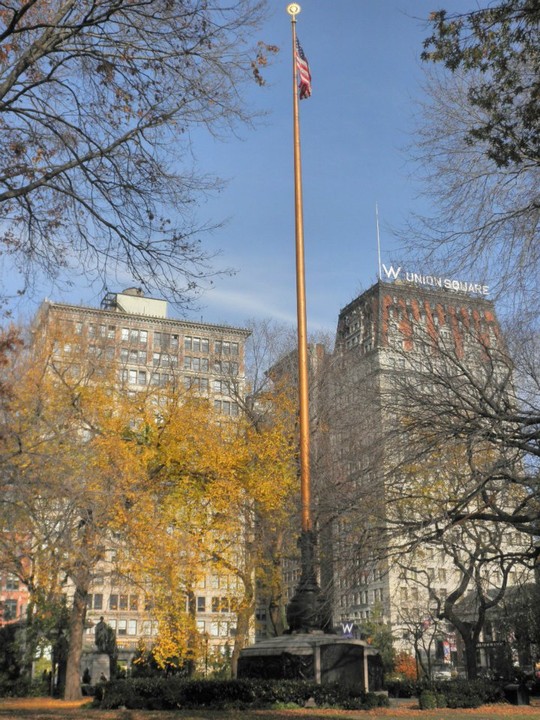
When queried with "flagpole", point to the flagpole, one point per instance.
{"points": [[378, 238], [303, 610], [303, 382]]}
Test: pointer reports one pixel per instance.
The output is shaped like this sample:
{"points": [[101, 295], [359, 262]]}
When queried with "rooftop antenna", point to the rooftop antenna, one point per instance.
{"points": [[378, 238]]}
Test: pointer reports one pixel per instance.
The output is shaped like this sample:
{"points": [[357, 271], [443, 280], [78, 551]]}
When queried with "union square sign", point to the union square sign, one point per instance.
{"points": [[398, 274]]}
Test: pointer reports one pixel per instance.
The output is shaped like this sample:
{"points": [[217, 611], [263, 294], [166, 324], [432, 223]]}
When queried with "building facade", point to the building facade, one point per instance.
{"points": [[150, 350], [383, 337]]}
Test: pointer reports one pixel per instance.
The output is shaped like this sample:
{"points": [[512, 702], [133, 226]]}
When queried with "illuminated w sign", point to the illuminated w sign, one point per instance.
{"points": [[391, 273], [347, 628]]}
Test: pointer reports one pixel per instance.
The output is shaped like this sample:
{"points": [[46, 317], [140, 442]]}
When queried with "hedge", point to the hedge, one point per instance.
{"points": [[174, 693]]}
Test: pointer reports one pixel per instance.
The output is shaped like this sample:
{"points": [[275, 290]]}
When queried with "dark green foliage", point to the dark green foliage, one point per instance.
{"points": [[499, 49], [427, 700], [12, 680], [449, 693], [442, 702], [402, 688], [470, 693], [175, 693]]}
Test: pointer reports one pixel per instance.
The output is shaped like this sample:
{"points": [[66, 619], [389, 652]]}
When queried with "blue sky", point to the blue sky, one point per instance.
{"points": [[367, 78]]}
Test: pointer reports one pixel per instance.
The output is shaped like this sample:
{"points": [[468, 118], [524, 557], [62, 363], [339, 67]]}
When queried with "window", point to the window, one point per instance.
{"points": [[188, 344], [217, 346], [141, 377], [132, 627], [123, 604], [201, 604], [111, 332], [125, 334], [12, 582], [98, 601], [215, 604], [187, 363], [78, 328], [122, 627], [196, 347], [234, 348], [205, 345], [91, 331], [113, 602], [9, 608], [201, 626], [133, 602], [174, 342]]}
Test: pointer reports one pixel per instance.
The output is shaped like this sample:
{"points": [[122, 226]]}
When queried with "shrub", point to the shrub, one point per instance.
{"points": [[441, 700], [428, 700], [174, 693], [399, 688]]}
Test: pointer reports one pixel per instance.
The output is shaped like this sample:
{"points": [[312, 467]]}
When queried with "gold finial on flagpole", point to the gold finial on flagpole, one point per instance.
{"points": [[293, 9]]}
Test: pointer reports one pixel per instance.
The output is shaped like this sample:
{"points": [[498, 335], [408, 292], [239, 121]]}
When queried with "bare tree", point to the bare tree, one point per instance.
{"points": [[478, 146], [98, 101], [468, 419], [462, 474]]}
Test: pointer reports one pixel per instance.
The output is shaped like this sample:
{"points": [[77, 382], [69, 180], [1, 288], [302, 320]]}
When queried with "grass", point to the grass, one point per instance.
{"points": [[48, 709]]}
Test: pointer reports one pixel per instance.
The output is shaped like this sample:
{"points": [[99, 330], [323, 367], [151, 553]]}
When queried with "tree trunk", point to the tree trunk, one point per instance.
{"points": [[244, 615], [471, 663], [76, 630]]}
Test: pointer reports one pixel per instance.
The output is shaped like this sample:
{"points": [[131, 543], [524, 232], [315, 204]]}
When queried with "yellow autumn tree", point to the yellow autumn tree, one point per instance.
{"points": [[218, 489], [177, 492]]}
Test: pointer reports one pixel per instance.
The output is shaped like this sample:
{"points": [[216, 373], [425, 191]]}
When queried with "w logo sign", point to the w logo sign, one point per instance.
{"points": [[347, 628], [391, 272]]}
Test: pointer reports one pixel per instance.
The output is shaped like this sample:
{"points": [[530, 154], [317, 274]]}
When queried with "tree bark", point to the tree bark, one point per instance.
{"points": [[76, 630]]}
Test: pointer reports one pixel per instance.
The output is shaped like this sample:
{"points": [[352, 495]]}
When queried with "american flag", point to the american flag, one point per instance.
{"points": [[303, 72]]}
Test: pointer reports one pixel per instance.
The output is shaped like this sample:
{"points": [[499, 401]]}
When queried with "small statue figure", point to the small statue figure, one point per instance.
{"points": [[101, 635]]}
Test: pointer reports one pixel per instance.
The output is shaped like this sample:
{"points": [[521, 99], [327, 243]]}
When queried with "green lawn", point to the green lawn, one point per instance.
{"points": [[45, 709]]}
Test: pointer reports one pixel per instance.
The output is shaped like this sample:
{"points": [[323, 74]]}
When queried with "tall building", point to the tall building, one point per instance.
{"points": [[382, 336], [133, 333]]}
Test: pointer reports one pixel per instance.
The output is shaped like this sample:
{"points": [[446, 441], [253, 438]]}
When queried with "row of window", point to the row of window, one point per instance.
{"points": [[226, 407], [125, 601], [129, 626], [215, 628], [117, 601], [161, 339], [362, 598], [200, 384], [202, 364], [217, 604]]}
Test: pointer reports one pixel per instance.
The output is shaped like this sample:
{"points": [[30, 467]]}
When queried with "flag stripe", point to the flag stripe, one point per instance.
{"points": [[304, 73]]}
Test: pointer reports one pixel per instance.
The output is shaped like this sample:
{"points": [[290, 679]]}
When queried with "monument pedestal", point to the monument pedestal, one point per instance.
{"points": [[316, 656], [97, 664]]}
